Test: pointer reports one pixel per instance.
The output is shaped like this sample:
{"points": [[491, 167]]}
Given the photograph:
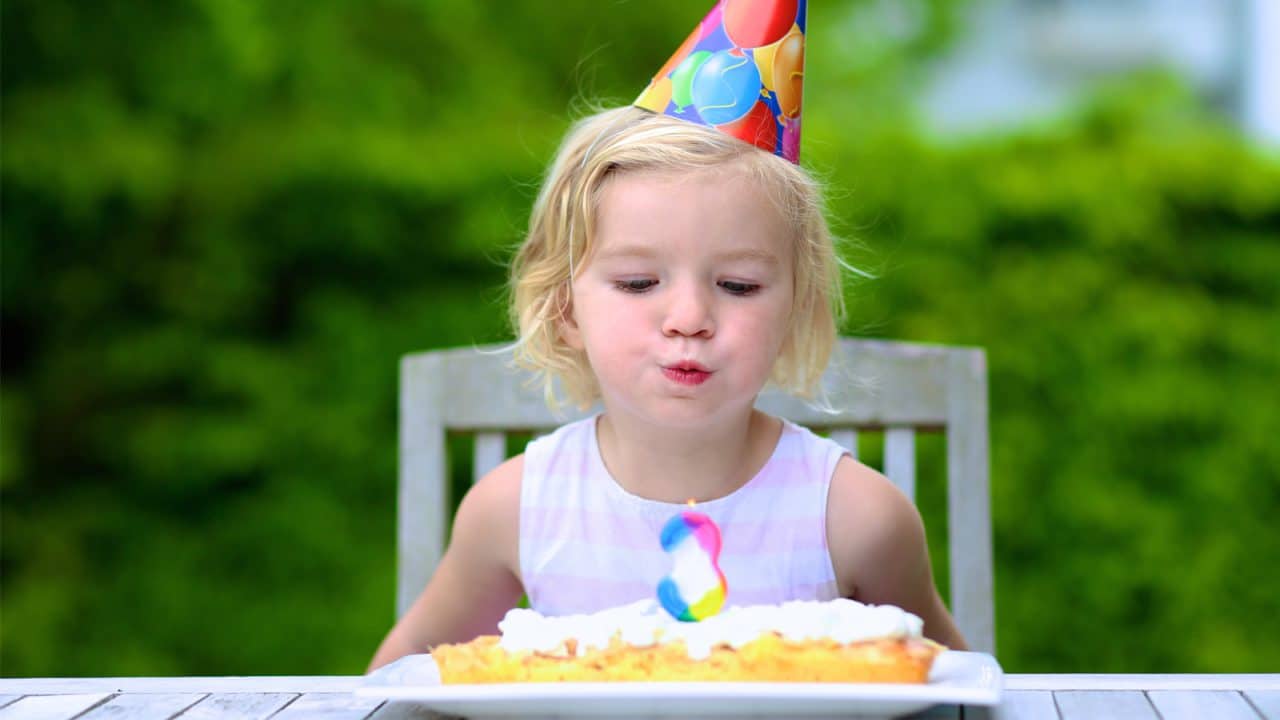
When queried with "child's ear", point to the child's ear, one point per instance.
{"points": [[567, 325], [570, 334]]}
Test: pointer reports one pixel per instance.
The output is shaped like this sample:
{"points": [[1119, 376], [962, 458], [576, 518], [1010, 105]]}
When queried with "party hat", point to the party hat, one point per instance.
{"points": [[741, 71]]}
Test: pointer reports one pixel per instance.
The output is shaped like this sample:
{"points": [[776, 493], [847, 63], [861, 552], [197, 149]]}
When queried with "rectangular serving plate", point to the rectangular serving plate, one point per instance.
{"points": [[960, 678]]}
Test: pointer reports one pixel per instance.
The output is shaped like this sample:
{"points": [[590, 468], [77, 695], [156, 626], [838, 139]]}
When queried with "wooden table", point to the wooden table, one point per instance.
{"points": [[285, 698]]}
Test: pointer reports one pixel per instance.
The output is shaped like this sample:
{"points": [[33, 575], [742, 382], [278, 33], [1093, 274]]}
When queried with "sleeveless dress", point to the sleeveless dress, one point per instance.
{"points": [[586, 544]]}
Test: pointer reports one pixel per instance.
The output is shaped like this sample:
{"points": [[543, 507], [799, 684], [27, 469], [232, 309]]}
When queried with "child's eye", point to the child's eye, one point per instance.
{"points": [[635, 285], [734, 287]]}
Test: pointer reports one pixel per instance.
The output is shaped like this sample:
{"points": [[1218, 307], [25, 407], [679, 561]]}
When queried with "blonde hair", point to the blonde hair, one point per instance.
{"points": [[562, 225]]}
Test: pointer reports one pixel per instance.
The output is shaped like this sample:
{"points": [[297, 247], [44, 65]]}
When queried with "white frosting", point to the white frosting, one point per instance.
{"points": [[645, 623]]}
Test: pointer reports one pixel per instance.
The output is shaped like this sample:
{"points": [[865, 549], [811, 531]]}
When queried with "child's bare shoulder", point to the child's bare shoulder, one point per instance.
{"points": [[489, 514], [860, 492], [498, 492], [870, 524]]}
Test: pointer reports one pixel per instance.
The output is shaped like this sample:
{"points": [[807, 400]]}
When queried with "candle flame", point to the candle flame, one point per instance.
{"points": [[691, 502]]}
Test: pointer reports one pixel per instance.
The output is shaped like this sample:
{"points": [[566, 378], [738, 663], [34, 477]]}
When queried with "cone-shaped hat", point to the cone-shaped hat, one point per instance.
{"points": [[741, 71]]}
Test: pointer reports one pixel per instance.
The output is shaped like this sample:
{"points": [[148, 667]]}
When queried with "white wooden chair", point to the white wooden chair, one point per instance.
{"points": [[899, 388]]}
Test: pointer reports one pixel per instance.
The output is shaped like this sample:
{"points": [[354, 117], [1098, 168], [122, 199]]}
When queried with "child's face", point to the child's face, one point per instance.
{"points": [[685, 299]]}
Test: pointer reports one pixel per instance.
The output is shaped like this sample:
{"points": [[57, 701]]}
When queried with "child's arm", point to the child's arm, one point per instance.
{"points": [[878, 548], [477, 580]]}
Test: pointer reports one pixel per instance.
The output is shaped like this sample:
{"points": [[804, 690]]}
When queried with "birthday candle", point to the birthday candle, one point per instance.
{"points": [[696, 587]]}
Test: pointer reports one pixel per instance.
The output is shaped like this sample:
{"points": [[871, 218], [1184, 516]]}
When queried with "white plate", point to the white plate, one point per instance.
{"points": [[965, 678]]}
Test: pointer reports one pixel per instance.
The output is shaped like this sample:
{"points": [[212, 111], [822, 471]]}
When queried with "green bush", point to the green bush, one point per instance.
{"points": [[223, 224]]}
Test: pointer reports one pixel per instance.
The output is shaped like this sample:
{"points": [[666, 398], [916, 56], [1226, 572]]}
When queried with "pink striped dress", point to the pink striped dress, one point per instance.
{"points": [[586, 544]]}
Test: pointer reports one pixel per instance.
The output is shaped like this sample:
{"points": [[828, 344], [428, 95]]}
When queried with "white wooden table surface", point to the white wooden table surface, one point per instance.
{"points": [[1166, 697]]}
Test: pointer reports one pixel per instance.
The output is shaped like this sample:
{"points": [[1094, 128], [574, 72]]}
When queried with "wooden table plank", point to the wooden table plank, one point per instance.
{"points": [[1104, 705], [1266, 702], [143, 706], [51, 707], [1141, 682], [329, 706], [296, 684], [1195, 704], [238, 706]]}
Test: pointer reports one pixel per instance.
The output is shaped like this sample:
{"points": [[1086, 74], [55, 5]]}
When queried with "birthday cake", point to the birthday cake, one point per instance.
{"points": [[833, 641]]}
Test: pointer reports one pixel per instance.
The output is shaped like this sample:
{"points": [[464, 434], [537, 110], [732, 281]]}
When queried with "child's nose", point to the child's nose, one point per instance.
{"points": [[689, 313]]}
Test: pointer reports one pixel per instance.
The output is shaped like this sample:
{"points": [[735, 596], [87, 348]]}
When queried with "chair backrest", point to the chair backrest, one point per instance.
{"points": [[895, 387]]}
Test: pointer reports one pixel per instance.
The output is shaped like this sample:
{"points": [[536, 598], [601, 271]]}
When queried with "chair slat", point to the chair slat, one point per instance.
{"points": [[847, 439], [422, 504], [491, 450], [969, 500], [869, 383], [900, 459]]}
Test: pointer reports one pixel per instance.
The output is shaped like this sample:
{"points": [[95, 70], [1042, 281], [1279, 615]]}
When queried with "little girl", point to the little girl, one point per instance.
{"points": [[677, 261], [671, 271]]}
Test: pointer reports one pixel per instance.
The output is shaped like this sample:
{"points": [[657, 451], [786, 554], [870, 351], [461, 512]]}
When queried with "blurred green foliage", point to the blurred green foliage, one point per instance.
{"points": [[223, 222]]}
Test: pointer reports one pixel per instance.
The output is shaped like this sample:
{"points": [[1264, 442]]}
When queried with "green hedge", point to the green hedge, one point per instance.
{"points": [[223, 224], [1121, 272]]}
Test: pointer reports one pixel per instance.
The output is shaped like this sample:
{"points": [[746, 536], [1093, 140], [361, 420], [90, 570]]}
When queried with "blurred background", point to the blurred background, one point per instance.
{"points": [[225, 220]]}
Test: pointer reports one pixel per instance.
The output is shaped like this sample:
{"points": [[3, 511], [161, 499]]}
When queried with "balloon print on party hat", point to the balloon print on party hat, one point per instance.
{"points": [[740, 71]]}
